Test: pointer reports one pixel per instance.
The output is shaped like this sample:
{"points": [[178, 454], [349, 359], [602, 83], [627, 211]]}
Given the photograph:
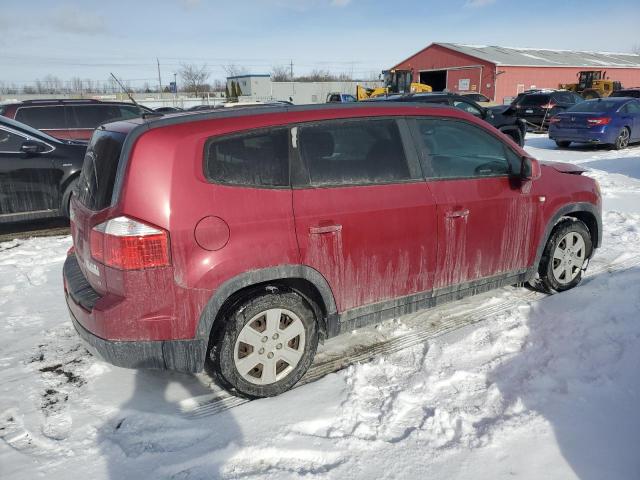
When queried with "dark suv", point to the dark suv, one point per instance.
{"points": [[237, 239], [70, 119], [501, 118], [627, 92], [538, 107], [37, 172]]}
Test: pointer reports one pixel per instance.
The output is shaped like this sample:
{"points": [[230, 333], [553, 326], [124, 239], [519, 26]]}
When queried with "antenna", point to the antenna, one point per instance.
{"points": [[125, 90]]}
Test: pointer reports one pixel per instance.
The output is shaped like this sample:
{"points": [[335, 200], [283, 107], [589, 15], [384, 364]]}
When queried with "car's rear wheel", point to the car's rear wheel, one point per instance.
{"points": [[622, 141], [66, 198], [267, 344], [562, 143], [565, 255]]}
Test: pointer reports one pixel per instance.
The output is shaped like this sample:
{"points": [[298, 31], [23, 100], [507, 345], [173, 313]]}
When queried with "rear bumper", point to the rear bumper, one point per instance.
{"points": [[181, 355], [600, 135]]}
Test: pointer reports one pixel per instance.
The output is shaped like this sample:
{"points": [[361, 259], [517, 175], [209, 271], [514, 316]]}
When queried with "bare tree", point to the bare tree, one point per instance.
{"points": [[233, 70], [75, 85], [52, 84], [280, 73], [636, 49], [194, 78]]}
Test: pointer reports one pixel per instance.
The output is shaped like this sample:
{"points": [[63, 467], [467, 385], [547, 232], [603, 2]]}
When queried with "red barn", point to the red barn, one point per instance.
{"points": [[501, 73]]}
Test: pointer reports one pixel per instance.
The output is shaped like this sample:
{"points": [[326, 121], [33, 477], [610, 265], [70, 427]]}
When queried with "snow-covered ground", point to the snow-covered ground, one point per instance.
{"points": [[548, 389]]}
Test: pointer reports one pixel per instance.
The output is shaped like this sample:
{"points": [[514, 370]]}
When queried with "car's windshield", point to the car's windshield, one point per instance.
{"points": [[598, 105]]}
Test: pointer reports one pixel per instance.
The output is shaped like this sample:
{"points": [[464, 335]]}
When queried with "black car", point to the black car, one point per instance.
{"points": [[168, 110], [37, 172], [499, 116], [538, 107], [627, 92]]}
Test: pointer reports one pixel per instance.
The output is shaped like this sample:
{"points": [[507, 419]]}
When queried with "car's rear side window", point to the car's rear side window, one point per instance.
{"points": [[258, 159], [362, 151], [50, 117]]}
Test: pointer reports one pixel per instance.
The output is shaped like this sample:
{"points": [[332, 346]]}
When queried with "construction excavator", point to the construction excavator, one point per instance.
{"points": [[592, 84], [395, 81]]}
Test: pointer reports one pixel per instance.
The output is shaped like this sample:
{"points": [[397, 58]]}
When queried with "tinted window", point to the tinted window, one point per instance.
{"points": [[353, 152], [95, 185], [564, 97], [459, 150], [257, 159], [10, 142], [599, 105], [42, 117], [534, 100], [626, 93], [632, 107]]}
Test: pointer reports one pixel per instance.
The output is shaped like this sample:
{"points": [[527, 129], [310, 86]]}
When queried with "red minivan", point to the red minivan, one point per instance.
{"points": [[238, 239]]}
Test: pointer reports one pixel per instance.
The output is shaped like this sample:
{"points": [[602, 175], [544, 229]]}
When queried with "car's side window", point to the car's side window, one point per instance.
{"points": [[51, 117], [10, 142], [467, 107], [353, 152], [253, 159], [633, 107], [455, 149]]}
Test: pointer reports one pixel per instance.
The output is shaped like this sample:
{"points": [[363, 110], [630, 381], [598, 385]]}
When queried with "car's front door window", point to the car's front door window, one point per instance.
{"points": [[467, 107]]}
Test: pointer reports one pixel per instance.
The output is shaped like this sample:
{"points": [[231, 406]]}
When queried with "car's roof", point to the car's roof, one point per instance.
{"points": [[611, 99], [174, 118]]}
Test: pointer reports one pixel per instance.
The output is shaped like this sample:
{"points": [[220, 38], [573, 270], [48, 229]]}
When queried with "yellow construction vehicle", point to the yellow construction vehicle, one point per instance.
{"points": [[395, 81], [593, 84]]}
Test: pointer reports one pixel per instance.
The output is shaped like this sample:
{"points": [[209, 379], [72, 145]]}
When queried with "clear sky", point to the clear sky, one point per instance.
{"points": [[90, 38]]}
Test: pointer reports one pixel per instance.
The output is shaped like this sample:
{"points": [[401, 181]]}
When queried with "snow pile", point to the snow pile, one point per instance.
{"points": [[546, 388]]}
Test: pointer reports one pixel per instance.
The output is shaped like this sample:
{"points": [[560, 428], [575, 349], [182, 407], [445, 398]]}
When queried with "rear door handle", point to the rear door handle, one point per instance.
{"points": [[325, 229], [458, 213]]}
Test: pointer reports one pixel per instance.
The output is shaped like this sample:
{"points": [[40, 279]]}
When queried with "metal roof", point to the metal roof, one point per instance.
{"points": [[532, 57]]}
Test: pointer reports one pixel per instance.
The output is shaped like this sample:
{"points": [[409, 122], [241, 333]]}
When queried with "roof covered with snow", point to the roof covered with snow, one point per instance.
{"points": [[509, 56]]}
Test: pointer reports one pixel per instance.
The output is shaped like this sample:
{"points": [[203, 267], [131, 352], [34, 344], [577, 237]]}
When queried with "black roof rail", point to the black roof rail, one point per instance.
{"points": [[63, 100]]}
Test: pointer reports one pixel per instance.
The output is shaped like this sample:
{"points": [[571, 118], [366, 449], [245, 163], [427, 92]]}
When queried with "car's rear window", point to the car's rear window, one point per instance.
{"points": [[533, 100], [259, 159], [95, 185], [599, 105], [90, 116]]}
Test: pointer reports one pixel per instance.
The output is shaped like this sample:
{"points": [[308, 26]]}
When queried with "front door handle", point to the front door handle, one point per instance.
{"points": [[458, 213], [325, 229]]}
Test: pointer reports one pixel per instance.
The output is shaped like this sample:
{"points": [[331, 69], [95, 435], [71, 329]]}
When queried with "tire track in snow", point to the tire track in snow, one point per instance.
{"points": [[448, 321]]}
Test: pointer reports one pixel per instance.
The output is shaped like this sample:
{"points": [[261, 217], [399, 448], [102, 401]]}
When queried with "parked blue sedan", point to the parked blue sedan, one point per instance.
{"points": [[607, 121]]}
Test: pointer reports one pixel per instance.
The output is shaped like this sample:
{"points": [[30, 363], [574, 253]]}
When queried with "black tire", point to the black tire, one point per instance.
{"points": [[562, 143], [66, 198], [517, 137], [547, 280], [622, 141], [591, 94], [220, 360]]}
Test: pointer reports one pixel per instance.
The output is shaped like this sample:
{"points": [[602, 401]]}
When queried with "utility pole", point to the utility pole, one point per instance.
{"points": [[291, 67], [175, 88], [159, 78]]}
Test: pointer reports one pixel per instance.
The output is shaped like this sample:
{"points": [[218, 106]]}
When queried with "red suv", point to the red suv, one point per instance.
{"points": [[237, 239], [74, 119]]}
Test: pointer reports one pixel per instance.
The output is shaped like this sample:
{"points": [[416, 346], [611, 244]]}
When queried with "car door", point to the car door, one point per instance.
{"points": [[365, 218], [27, 181], [632, 111], [484, 216]]}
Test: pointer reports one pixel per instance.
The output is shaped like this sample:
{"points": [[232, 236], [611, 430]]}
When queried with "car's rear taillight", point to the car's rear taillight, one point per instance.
{"points": [[554, 120], [599, 121], [548, 106], [128, 244]]}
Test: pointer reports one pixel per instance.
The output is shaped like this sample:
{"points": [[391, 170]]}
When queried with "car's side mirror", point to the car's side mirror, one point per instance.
{"points": [[486, 113], [32, 147], [529, 168]]}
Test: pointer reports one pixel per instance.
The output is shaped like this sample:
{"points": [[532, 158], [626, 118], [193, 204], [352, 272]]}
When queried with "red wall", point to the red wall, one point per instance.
{"points": [[503, 84], [551, 77], [435, 57]]}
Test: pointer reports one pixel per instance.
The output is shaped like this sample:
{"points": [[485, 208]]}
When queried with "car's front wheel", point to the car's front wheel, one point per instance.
{"points": [[562, 144], [66, 198], [267, 344], [565, 255]]}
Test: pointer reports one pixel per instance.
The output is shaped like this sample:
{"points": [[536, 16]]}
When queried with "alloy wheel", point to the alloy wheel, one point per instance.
{"points": [[568, 257]]}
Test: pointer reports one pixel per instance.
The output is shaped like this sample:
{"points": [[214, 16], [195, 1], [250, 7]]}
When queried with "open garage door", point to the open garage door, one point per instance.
{"points": [[437, 79]]}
